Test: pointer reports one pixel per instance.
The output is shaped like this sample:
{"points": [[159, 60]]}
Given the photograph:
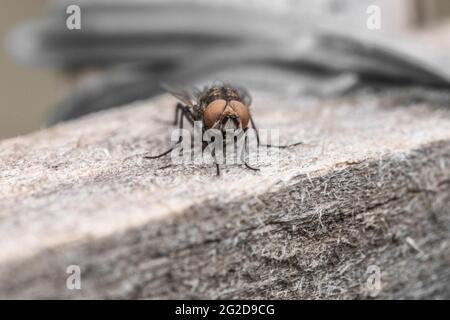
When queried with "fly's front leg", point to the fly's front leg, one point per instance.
{"points": [[179, 108], [270, 145], [245, 152], [204, 145], [184, 110], [217, 164], [184, 114]]}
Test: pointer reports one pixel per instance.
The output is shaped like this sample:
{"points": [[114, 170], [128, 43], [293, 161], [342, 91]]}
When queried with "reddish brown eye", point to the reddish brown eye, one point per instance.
{"points": [[213, 112], [242, 112]]}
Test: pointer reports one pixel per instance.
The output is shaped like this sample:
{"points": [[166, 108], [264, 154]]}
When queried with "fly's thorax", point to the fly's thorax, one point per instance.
{"points": [[227, 93]]}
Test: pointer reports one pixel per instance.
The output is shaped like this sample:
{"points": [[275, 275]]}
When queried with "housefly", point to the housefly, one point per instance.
{"points": [[222, 107]]}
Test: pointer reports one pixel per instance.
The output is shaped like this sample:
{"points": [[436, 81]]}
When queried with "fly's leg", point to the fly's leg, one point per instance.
{"points": [[250, 167], [269, 145], [217, 164], [179, 108], [204, 145], [245, 151], [184, 114], [185, 111], [217, 170]]}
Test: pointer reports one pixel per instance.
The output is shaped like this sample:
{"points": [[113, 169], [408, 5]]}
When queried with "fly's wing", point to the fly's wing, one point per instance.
{"points": [[189, 98], [244, 95]]}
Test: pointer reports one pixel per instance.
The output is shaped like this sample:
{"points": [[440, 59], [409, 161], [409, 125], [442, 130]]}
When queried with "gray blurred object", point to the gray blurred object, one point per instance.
{"points": [[138, 44]]}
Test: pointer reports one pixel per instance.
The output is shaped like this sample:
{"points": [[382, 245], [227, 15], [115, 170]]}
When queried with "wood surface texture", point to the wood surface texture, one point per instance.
{"points": [[371, 187]]}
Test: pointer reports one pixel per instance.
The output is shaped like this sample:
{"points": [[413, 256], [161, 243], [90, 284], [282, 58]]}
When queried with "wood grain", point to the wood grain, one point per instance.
{"points": [[370, 187]]}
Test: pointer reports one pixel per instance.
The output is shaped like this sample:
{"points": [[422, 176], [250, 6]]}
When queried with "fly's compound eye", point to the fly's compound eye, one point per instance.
{"points": [[213, 112], [242, 112]]}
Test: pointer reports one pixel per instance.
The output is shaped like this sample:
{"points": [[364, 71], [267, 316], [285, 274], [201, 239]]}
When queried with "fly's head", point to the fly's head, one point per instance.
{"points": [[226, 115]]}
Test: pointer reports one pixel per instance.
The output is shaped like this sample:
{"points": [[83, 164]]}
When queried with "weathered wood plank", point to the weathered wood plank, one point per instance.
{"points": [[370, 188]]}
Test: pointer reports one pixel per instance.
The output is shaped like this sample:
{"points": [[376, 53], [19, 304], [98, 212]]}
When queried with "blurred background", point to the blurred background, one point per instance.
{"points": [[26, 94], [126, 48]]}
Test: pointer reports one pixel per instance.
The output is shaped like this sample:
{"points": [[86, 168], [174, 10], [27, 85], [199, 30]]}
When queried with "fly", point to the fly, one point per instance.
{"points": [[222, 107]]}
